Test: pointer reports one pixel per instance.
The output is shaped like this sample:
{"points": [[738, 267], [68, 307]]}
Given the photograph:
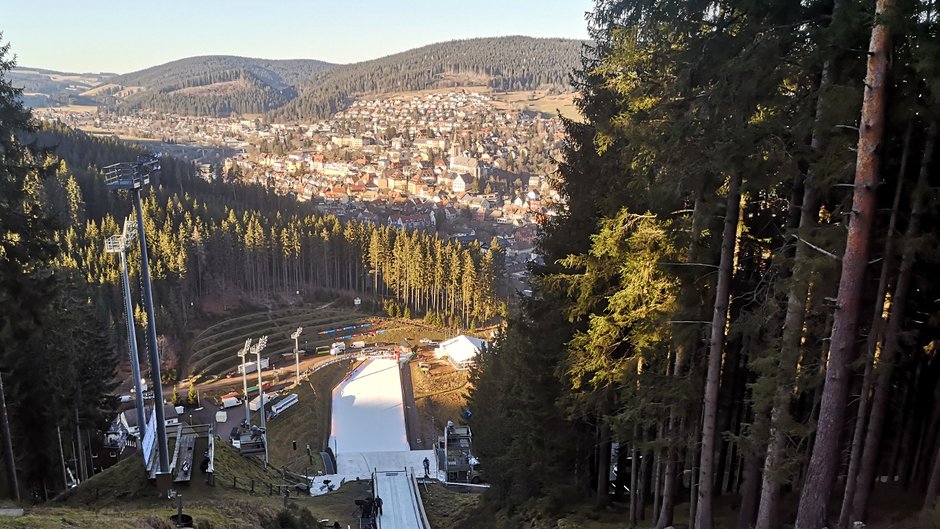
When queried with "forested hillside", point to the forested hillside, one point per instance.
{"points": [[742, 293], [503, 63], [215, 85], [308, 89], [42, 88], [57, 358], [225, 240], [277, 73]]}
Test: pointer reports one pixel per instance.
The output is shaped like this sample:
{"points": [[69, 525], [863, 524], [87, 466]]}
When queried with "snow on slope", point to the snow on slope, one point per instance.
{"points": [[369, 437], [368, 413]]}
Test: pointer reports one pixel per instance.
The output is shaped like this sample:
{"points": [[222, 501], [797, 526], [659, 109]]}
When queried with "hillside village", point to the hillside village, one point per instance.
{"points": [[453, 162]]}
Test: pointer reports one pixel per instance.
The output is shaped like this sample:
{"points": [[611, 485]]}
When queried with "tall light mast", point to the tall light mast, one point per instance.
{"points": [[132, 176], [296, 337], [243, 355], [264, 427], [118, 244]]}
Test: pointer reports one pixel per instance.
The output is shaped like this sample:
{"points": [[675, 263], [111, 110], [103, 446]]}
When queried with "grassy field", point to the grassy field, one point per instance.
{"points": [[540, 101], [532, 100], [77, 108], [95, 131], [307, 422], [122, 498], [447, 509]]}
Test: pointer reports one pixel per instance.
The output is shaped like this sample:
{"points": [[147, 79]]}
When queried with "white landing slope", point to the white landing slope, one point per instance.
{"points": [[399, 504], [368, 426], [368, 413]]}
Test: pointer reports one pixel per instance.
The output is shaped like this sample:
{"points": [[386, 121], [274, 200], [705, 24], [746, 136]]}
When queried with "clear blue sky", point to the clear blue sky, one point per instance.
{"points": [[123, 36]]}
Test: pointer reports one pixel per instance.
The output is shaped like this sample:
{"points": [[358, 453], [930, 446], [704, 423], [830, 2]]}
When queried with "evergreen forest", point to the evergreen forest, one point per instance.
{"points": [[736, 324], [503, 63]]}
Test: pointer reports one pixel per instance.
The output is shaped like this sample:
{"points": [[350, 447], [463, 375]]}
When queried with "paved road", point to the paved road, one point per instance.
{"points": [[286, 370]]}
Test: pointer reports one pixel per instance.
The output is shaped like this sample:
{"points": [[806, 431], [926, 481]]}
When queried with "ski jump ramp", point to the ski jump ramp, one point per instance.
{"points": [[368, 437], [400, 501]]}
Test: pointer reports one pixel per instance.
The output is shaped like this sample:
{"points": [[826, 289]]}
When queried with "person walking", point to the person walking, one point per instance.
{"points": [[378, 505], [427, 467]]}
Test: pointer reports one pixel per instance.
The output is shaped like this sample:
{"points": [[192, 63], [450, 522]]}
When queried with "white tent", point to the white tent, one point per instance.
{"points": [[461, 351]]}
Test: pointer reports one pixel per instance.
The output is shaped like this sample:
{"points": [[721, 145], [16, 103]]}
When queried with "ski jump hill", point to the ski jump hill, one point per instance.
{"points": [[369, 439]]}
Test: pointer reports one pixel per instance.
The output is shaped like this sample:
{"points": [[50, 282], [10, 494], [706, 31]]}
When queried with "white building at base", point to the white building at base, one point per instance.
{"points": [[461, 351]]}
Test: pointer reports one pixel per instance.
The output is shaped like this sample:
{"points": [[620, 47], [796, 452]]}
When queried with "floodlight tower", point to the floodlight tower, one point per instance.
{"points": [[264, 428], [133, 176], [243, 354], [296, 337], [119, 244]]}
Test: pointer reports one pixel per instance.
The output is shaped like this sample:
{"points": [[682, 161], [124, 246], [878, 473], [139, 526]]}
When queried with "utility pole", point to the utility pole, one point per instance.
{"points": [[296, 337], [132, 176], [118, 244], [242, 354], [264, 429], [8, 444]]}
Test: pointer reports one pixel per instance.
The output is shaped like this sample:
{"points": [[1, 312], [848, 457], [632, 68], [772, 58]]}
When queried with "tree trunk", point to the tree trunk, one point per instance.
{"points": [[767, 517], [726, 409], [80, 454], [65, 476], [824, 461], [634, 480], [646, 468], [8, 457], [703, 513], [750, 490], [882, 388], [693, 481], [933, 488], [603, 462], [789, 358], [874, 341], [676, 425], [657, 474], [668, 504]]}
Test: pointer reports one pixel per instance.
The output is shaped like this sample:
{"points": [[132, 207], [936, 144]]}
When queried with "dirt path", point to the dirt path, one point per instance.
{"points": [[284, 371]]}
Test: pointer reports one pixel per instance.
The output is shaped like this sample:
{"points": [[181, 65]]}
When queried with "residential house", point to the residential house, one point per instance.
{"points": [[460, 183]]}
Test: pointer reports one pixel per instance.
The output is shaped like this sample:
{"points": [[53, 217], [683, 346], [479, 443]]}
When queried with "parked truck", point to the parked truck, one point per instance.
{"points": [[251, 367], [255, 403], [230, 402], [264, 387], [338, 348], [358, 345]]}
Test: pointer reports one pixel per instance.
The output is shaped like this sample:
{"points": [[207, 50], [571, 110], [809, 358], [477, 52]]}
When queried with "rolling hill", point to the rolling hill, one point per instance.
{"points": [[302, 89], [216, 85], [42, 88], [503, 63]]}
